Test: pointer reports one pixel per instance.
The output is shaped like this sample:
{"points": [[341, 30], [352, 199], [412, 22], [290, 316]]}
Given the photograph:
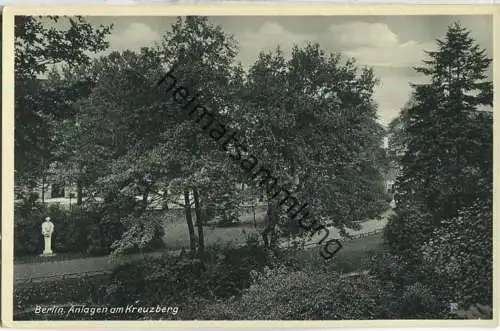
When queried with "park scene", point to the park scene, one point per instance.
{"points": [[128, 196]]}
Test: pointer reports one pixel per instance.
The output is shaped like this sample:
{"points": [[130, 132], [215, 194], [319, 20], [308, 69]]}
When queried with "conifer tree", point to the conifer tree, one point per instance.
{"points": [[446, 169]]}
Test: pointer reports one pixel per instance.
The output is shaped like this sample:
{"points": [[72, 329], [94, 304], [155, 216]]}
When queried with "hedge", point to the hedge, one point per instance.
{"points": [[71, 229], [85, 289]]}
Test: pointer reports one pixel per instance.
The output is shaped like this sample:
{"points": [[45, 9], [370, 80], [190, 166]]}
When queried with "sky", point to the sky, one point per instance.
{"points": [[391, 45]]}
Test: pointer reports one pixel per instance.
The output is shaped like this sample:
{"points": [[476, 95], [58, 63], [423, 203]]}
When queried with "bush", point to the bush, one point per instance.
{"points": [[460, 256], [323, 294], [102, 234], [225, 272], [279, 294], [70, 229], [418, 302], [82, 290], [405, 294], [80, 230], [143, 232], [230, 268]]}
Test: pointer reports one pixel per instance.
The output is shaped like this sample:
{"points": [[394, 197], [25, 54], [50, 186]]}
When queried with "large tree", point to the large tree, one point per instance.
{"points": [[38, 46], [204, 59], [446, 169], [312, 121], [155, 150]]}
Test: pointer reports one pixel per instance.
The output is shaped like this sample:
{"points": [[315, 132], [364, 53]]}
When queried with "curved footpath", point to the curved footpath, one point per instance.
{"points": [[93, 265]]}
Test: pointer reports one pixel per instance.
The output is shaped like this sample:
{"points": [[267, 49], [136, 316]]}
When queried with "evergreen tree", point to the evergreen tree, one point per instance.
{"points": [[446, 166]]}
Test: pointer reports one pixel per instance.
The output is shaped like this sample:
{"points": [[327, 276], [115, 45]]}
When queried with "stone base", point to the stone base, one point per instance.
{"points": [[47, 254]]}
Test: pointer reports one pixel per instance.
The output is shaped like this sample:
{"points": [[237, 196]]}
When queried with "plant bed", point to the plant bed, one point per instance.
{"points": [[354, 255], [228, 222], [57, 257], [83, 290]]}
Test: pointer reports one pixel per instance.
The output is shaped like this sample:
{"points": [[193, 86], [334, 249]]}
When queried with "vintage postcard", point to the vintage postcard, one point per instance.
{"points": [[305, 165]]}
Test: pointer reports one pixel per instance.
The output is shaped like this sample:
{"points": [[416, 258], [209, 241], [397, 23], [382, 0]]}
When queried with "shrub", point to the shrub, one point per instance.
{"points": [[460, 256], [143, 232], [284, 293], [281, 294], [229, 269], [70, 229], [80, 230], [418, 302], [102, 234], [81, 290], [225, 272], [405, 295]]}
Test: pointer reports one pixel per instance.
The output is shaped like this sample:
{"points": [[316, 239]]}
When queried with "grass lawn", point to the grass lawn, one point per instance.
{"points": [[353, 256], [41, 259], [177, 235]]}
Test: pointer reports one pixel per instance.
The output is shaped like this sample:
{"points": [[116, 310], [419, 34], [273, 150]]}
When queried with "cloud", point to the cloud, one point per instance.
{"points": [[362, 34], [133, 37], [371, 44], [375, 44], [398, 55], [267, 38], [271, 29]]}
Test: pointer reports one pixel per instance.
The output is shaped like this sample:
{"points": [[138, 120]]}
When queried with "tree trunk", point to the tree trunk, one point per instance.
{"points": [[43, 187], [145, 196], [273, 243], [270, 221], [189, 220], [79, 192], [43, 180], [199, 222]]}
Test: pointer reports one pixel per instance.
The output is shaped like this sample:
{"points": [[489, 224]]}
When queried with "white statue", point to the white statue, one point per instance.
{"points": [[47, 230]]}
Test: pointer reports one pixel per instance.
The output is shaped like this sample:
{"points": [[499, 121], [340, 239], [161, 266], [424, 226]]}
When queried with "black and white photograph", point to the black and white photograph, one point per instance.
{"points": [[252, 167]]}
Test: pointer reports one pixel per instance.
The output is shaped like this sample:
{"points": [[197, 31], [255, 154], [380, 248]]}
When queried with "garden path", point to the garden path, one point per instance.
{"points": [[66, 268]]}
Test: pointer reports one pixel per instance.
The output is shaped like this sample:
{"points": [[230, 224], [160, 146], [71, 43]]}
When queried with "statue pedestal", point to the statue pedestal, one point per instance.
{"points": [[48, 249], [47, 254]]}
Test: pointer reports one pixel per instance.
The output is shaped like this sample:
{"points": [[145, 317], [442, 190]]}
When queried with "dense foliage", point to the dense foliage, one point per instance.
{"points": [[167, 280], [311, 119], [443, 141], [291, 106], [236, 284], [75, 224], [121, 138], [92, 230], [38, 46]]}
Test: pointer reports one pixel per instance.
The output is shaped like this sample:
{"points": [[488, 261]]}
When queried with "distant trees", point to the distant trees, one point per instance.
{"points": [[142, 142], [312, 121], [154, 138], [39, 106], [443, 226]]}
